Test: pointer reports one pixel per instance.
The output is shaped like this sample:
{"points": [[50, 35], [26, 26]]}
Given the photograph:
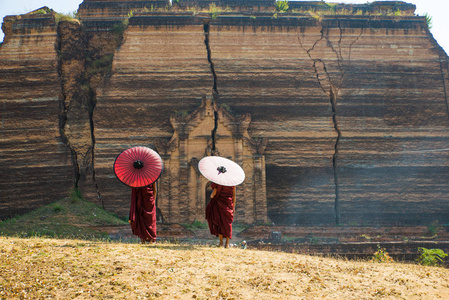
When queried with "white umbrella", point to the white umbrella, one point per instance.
{"points": [[221, 170]]}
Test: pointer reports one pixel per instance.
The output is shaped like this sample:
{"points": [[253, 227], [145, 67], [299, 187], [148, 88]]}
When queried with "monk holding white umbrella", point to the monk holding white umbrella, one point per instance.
{"points": [[225, 175]]}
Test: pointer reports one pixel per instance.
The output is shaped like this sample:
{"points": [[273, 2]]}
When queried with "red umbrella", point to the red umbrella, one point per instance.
{"points": [[221, 170], [138, 166]]}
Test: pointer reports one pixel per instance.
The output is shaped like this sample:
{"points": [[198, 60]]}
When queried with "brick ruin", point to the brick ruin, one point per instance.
{"points": [[337, 113]]}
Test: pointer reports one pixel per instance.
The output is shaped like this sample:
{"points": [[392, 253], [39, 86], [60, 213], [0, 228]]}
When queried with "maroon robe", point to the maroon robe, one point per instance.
{"points": [[142, 214], [219, 211]]}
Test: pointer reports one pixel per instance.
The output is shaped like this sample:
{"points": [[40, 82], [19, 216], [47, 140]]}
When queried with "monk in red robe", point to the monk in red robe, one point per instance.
{"points": [[142, 214], [220, 212]]}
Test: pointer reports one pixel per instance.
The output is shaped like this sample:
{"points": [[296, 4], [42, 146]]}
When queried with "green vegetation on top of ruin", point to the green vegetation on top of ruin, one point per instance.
{"points": [[41, 11], [315, 9], [70, 17], [71, 217], [281, 6], [428, 20]]}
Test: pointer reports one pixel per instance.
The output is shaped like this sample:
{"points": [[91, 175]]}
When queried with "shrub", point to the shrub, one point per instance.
{"points": [[398, 13], [102, 65], [72, 17], [281, 6], [120, 28], [428, 20], [75, 195], [41, 12], [57, 208], [381, 255], [214, 11], [430, 257], [332, 6], [432, 230]]}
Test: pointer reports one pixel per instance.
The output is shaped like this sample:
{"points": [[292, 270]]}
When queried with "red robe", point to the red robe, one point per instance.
{"points": [[142, 214], [219, 211]]}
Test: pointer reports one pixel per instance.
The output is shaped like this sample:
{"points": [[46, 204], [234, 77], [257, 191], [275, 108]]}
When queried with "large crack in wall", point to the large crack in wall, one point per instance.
{"points": [[73, 116], [333, 99], [444, 66], [215, 93], [84, 59], [332, 88]]}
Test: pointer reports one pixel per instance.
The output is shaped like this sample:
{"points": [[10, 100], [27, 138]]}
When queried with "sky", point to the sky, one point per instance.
{"points": [[437, 9]]}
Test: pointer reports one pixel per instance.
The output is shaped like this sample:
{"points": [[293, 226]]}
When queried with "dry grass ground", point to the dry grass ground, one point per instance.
{"points": [[38, 268]]}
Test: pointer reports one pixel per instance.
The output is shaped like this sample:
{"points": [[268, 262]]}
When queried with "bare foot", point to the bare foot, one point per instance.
{"points": [[227, 243]]}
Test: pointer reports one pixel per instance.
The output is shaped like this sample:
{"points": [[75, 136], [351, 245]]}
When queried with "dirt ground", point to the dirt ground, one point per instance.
{"points": [[38, 268]]}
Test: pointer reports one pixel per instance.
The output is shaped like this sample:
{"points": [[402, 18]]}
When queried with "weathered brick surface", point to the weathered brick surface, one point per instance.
{"points": [[347, 114], [35, 164]]}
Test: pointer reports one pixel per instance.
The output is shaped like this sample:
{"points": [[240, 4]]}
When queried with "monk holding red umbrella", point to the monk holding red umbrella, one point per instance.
{"points": [[225, 175], [139, 168]]}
